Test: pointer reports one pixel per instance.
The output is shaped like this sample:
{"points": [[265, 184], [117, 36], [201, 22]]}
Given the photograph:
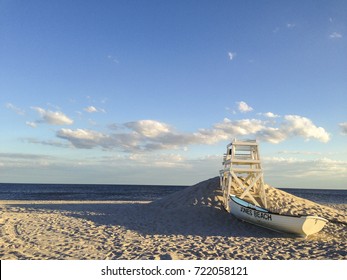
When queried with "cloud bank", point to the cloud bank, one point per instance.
{"points": [[150, 135]]}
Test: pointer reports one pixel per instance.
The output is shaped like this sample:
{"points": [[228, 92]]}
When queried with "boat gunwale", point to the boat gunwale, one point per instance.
{"points": [[273, 213]]}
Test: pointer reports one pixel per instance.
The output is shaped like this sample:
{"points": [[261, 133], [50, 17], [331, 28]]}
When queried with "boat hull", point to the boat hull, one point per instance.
{"points": [[298, 225]]}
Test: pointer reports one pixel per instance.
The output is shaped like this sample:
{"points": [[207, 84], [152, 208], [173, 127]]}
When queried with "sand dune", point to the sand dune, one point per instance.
{"points": [[190, 224]]}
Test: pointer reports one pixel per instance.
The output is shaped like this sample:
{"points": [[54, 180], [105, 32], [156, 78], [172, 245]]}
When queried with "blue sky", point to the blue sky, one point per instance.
{"points": [[151, 92]]}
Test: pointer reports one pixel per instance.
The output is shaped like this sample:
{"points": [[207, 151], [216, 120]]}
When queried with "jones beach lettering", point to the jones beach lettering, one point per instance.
{"points": [[256, 214], [262, 215]]}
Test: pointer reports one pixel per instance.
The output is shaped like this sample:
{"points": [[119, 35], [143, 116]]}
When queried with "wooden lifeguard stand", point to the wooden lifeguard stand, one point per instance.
{"points": [[242, 174]]}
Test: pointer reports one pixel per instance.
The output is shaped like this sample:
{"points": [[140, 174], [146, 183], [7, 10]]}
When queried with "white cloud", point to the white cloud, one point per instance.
{"points": [[148, 128], [244, 107], [309, 168], [231, 55], [31, 124], [15, 109], [270, 115], [207, 136], [301, 126], [343, 127], [335, 35], [150, 135], [272, 134], [290, 25], [240, 127], [90, 109], [291, 126], [144, 135], [137, 140], [83, 138], [53, 118]]}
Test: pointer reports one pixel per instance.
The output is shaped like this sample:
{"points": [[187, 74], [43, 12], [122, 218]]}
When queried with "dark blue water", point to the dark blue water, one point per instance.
{"points": [[84, 192], [132, 192], [320, 195]]}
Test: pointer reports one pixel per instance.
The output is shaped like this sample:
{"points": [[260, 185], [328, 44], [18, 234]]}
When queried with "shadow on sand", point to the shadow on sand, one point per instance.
{"points": [[149, 219]]}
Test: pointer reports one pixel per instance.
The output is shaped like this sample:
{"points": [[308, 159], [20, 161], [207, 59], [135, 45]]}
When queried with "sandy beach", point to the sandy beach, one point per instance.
{"points": [[189, 225]]}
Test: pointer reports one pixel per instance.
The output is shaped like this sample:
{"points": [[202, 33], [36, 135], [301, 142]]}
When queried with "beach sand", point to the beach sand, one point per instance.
{"points": [[190, 224]]}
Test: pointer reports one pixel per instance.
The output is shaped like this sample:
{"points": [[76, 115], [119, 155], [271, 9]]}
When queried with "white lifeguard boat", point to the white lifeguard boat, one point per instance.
{"points": [[298, 225], [243, 174]]}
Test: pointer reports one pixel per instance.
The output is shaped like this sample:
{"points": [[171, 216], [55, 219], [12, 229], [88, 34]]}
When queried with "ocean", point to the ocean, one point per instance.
{"points": [[132, 192], [84, 192], [320, 195]]}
